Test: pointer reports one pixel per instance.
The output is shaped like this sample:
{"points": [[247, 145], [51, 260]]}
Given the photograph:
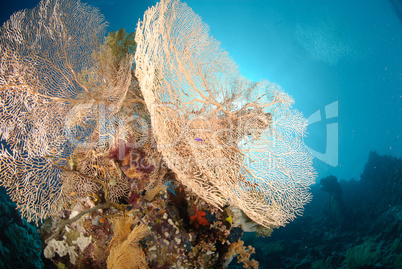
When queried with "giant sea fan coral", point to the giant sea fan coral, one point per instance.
{"points": [[60, 88], [228, 139]]}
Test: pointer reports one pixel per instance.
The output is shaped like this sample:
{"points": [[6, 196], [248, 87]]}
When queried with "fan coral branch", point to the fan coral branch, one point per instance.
{"points": [[228, 139]]}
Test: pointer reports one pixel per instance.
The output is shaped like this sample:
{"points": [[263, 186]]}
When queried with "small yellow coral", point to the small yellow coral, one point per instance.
{"points": [[229, 219]]}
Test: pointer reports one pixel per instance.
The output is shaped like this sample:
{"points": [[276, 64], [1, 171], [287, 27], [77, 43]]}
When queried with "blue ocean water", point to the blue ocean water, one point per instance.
{"points": [[340, 60]]}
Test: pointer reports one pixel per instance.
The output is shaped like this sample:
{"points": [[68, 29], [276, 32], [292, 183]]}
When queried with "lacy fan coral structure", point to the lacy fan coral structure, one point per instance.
{"points": [[58, 87], [228, 139]]}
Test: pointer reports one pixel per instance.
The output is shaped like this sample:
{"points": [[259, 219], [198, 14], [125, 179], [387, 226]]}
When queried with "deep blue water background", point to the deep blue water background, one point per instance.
{"points": [[319, 52]]}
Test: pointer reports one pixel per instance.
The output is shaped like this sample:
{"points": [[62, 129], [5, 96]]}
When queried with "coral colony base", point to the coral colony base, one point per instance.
{"points": [[146, 149]]}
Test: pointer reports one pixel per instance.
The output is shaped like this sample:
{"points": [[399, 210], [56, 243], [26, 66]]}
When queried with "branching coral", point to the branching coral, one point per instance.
{"points": [[125, 251], [365, 254], [243, 254]]}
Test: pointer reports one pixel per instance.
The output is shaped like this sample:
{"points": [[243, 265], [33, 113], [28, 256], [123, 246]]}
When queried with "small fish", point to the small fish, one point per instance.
{"points": [[93, 196], [198, 139], [102, 220], [162, 211], [72, 193], [103, 170]]}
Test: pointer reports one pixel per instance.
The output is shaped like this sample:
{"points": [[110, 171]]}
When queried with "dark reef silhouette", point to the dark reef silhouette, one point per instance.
{"points": [[349, 224], [20, 243]]}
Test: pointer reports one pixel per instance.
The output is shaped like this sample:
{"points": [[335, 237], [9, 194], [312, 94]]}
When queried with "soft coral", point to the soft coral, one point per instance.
{"points": [[199, 218]]}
